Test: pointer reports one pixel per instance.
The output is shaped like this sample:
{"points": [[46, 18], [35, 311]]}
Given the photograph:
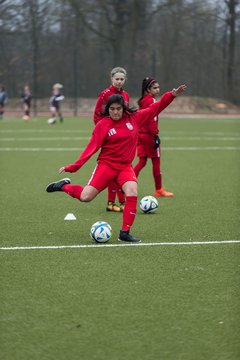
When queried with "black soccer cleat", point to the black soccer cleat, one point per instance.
{"points": [[125, 236], [57, 185]]}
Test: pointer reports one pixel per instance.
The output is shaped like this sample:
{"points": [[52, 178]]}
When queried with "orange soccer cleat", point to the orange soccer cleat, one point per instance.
{"points": [[163, 193], [122, 206], [111, 206]]}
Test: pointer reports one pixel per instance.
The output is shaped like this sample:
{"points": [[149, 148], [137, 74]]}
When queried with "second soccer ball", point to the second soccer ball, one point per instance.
{"points": [[148, 204]]}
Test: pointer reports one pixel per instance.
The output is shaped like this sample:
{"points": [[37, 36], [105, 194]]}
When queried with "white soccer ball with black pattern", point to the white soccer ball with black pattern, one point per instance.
{"points": [[149, 204], [101, 232]]}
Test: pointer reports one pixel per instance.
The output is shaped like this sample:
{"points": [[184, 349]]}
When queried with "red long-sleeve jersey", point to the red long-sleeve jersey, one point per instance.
{"points": [[118, 139], [150, 127], [102, 101]]}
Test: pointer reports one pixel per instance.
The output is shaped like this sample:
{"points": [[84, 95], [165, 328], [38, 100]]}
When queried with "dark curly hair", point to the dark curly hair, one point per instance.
{"points": [[117, 99]]}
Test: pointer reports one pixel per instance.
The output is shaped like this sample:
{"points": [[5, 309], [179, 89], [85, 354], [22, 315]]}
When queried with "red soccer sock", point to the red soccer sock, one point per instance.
{"points": [[121, 196], [140, 165], [112, 192], [129, 212], [73, 190], [156, 173]]}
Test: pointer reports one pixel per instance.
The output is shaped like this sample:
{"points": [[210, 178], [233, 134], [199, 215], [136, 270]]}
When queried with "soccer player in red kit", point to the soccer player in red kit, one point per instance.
{"points": [[116, 135], [148, 139], [118, 78]]}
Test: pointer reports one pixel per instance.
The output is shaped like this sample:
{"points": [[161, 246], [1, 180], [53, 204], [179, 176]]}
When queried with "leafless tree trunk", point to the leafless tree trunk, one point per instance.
{"points": [[231, 22], [33, 16]]}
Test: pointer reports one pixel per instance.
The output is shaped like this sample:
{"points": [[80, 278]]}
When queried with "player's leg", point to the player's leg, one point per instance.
{"points": [[98, 181], [157, 176], [140, 165], [101, 177], [160, 191], [128, 181], [142, 152], [26, 112], [84, 194], [121, 198], [60, 115], [65, 186], [112, 192], [52, 119]]}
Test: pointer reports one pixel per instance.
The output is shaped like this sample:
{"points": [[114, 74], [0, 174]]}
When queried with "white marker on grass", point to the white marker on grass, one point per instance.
{"points": [[70, 216]]}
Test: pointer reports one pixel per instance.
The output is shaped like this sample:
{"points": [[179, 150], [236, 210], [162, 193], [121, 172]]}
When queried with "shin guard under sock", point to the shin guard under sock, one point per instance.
{"points": [[129, 212]]}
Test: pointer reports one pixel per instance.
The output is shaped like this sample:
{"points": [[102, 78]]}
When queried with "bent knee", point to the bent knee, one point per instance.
{"points": [[88, 194], [131, 192], [85, 198]]}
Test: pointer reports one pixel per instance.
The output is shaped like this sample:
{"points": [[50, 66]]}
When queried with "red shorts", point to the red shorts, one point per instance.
{"points": [[103, 174], [145, 146]]}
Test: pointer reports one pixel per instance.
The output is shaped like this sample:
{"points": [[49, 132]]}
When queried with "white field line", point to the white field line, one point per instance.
{"points": [[199, 148], [212, 134], [214, 242], [41, 149], [202, 138], [65, 138], [35, 131], [177, 148], [76, 138]]}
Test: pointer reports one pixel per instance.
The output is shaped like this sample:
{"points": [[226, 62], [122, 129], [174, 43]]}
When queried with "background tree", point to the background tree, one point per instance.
{"points": [[78, 42], [231, 23]]}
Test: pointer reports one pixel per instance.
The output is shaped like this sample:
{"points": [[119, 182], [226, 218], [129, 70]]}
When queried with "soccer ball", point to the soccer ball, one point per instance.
{"points": [[101, 232], [51, 121], [148, 204], [25, 118]]}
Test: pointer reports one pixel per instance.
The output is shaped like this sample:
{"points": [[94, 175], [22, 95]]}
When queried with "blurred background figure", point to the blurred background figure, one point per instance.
{"points": [[26, 97], [3, 100], [54, 102]]}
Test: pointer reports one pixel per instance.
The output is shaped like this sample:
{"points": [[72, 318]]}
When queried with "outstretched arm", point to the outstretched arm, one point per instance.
{"points": [[93, 146], [90, 149], [179, 90], [145, 115]]}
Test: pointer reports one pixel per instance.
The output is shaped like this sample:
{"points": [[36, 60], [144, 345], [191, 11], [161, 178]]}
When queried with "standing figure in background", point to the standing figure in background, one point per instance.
{"points": [[118, 78], [148, 140], [54, 102], [3, 100], [26, 97]]}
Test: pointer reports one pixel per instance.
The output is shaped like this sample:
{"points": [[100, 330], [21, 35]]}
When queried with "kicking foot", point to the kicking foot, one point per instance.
{"points": [[57, 185], [125, 236]]}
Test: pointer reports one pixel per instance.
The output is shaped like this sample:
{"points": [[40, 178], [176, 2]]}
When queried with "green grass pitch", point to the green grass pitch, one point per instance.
{"points": [[163, 302]]}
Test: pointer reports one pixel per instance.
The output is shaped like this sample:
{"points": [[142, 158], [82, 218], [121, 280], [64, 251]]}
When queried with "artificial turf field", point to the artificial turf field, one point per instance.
{"points": [[173, 297]]}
